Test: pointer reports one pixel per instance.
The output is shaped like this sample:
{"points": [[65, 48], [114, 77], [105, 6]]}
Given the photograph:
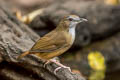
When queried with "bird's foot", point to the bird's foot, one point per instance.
{"points": [[58, 63], [46, 63], [54, 60], [61, 67]]}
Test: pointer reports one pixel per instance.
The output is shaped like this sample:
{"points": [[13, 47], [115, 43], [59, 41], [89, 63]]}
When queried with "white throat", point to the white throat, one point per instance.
{"points": [[72, 32]]}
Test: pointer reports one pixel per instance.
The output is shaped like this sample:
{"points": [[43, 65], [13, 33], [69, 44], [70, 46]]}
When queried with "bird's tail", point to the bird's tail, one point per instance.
{"points": [[23, 54]]}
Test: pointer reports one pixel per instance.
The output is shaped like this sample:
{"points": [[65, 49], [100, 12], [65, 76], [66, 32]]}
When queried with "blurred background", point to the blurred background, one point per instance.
{"points": [[96, 51]]}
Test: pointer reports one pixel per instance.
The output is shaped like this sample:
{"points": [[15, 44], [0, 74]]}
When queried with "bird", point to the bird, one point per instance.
{"points": [[57, 41]]}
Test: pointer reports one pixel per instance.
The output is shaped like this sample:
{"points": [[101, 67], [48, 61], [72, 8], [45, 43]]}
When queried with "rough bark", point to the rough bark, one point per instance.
{"points": [[15, 38]]}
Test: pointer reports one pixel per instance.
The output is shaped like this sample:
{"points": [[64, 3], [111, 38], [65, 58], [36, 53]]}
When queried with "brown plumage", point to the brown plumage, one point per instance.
{"points": [[57, 41]]}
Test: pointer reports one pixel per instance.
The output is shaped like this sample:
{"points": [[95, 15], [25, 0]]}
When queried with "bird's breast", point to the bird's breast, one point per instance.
{"points": [[72, 33]]}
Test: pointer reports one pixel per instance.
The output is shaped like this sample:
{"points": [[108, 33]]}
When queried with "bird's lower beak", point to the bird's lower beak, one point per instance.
{"points": [[82, 20]]}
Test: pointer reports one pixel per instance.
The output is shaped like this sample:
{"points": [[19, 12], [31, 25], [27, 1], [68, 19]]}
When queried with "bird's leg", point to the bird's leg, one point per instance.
{"points": [[61, 66], [58, 63], [56, 59]]}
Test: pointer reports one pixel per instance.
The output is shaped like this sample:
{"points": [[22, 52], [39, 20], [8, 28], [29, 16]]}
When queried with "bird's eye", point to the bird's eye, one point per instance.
{"points": [[70, 19]]}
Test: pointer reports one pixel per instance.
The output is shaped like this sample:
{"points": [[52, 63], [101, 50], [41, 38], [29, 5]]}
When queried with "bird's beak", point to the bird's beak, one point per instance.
{"points": [[82, 20]]}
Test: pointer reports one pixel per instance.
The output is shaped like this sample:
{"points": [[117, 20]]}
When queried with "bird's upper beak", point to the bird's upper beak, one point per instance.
{"points": [[82, 20]]}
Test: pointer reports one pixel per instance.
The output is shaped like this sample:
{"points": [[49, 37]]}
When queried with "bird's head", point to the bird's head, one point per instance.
{"points": [[70, 21]]}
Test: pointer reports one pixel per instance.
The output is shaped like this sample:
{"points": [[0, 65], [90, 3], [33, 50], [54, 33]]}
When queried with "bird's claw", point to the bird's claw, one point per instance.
{"points": [[61, 65], [57, 69], [46, 63], [60, 68]]}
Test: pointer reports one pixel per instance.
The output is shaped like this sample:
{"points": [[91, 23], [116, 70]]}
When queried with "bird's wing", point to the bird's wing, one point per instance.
{"points": [[50, 42]]}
